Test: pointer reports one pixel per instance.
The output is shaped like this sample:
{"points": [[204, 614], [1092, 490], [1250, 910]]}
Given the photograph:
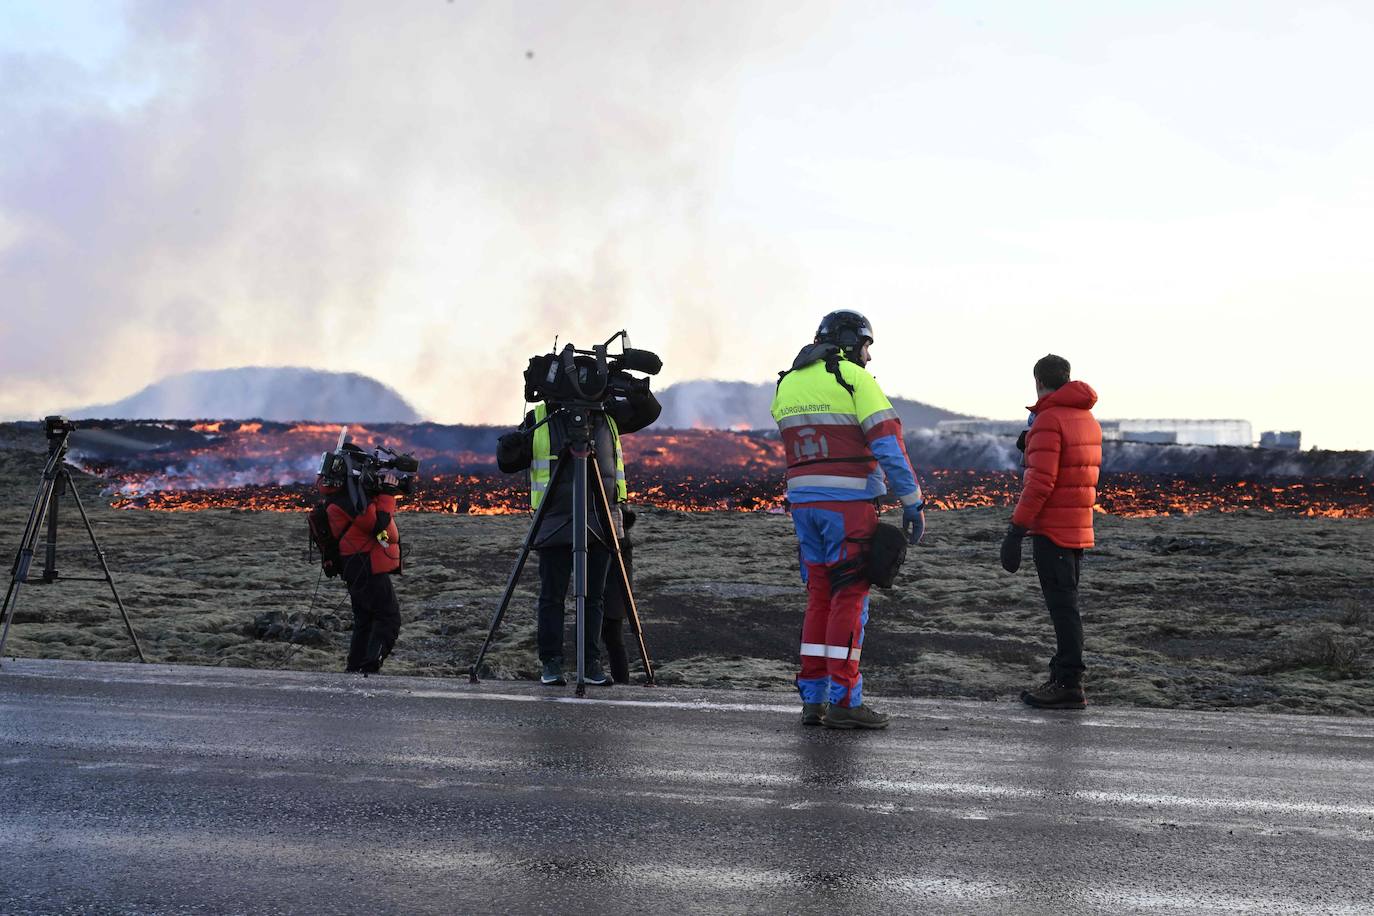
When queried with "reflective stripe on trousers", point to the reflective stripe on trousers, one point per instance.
{"points": [[822, 651]]}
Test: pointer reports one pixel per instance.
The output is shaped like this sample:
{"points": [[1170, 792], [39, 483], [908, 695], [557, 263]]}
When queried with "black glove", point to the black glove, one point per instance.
{"points": [[1021, 441], [1011, 548], [515, 451]]}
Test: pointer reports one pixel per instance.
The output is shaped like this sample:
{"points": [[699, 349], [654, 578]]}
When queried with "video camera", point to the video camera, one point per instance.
{"points": [[55, 427], [381, 470], [589, 377]]}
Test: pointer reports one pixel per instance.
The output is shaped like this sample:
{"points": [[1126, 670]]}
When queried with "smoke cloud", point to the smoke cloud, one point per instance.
{"points": [[423, 192], [426, 192]]}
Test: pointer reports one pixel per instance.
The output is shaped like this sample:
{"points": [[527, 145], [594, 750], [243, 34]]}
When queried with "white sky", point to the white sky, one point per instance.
{"points": [[1178, 197]]}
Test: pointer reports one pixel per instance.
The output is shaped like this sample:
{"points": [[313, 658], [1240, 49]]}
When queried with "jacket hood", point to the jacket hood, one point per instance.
{"points": [[1078, 395], [812, 353]]}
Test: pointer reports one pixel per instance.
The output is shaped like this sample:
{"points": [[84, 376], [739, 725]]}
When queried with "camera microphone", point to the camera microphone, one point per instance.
{"points": [[646, 361]]}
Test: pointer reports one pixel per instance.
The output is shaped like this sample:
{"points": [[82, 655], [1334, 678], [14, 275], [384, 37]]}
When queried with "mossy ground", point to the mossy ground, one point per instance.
{"points": [[1201, 612]]}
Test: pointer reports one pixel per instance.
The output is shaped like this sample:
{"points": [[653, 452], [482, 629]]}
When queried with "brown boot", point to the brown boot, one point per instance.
{"points": [[1054, 695], [813, 713], [854, 717]]}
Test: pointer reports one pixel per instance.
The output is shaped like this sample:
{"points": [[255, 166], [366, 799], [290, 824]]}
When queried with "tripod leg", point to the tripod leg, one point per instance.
{"points": [[515, 573], [105, 567], [62, 482], [24, 558], [579, 533], [618, 565], [11, 593]]}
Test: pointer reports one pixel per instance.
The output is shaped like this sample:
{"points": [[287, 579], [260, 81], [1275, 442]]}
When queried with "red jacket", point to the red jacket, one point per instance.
{"points": [[358, 534], [1063, 459]]}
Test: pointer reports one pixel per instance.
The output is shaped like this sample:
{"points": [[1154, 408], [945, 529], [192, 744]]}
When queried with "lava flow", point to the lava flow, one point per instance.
{"points": [[271, 466]]}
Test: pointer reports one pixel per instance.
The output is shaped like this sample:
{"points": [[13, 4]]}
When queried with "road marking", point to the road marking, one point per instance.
{"points": [[607, 701]]}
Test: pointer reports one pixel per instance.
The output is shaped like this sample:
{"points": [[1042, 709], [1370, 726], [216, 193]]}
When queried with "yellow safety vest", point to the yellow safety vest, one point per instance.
{"points": [[541, 468]]}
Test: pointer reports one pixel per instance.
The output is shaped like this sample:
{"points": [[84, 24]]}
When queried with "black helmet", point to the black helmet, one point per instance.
{"points": [[847, 330]]}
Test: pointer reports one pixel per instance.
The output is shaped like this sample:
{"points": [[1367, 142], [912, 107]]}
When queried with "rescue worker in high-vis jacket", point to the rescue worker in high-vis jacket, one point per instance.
{"points": [[1063, 458], [623, 414], [370, 547], [842, 437]]}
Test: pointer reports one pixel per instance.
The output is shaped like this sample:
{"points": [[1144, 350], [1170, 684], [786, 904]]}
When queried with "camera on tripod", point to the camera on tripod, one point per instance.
{"points": [[382, 470], [589, 377], [55, 427]]}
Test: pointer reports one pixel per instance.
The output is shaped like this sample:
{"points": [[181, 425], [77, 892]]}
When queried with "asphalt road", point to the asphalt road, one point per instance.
{"points": [[164, 789]]}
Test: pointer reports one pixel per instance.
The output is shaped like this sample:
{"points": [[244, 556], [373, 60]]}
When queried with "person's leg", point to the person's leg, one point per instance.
{"points": [[614, 612], [1058, 569], [598, 565], [555, 569], [813, 681], [362, 629], [617, 658], [357, 581], [845, 637], [386, 621], [816, 527], [849, 612]]}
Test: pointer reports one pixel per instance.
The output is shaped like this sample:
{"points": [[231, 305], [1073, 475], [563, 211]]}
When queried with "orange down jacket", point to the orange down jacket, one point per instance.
{"points": [[358, 534], [1063, 459]]}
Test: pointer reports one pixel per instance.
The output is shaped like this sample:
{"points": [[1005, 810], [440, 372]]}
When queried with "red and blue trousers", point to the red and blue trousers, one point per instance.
{"points": [[829, 533]]}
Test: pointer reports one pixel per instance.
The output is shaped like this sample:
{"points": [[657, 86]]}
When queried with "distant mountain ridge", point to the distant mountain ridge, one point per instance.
{"points": [[283, 394], [745, 405], [292, 393]]}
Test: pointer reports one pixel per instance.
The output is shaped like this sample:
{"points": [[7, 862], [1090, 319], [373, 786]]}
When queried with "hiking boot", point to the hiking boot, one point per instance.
{"points": [[595, 676], [854, 717], [813, 713], [1029, 690], [553, 675], [1054, 695]]}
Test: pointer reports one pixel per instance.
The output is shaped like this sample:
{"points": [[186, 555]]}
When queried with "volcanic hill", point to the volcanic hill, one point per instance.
{"points": [[282, 394]]}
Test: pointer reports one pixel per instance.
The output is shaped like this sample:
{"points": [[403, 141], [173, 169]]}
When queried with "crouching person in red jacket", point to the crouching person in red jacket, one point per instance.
{"points": [[370, 551], [1063, 459]]}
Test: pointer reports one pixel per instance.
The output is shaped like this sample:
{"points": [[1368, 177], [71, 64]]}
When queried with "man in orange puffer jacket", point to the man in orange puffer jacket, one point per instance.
{"points": [[1063, 459]]}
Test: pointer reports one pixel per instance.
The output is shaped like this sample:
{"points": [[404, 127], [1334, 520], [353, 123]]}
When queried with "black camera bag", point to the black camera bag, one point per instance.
{"points": [[886, 554], [515, 451], [878, 562]]}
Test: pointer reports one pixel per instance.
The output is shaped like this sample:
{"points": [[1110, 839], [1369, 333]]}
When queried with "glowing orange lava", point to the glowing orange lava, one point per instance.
{"points": [[271, 467]]}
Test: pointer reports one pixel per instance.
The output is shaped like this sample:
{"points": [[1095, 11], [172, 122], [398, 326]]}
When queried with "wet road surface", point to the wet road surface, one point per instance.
{"points": [[164, 789]]}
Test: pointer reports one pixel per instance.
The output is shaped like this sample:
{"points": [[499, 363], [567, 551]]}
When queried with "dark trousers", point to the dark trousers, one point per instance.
{"points": [[1058, 569], [376, 620], [617, 658], [555, 572], [615, 612]]}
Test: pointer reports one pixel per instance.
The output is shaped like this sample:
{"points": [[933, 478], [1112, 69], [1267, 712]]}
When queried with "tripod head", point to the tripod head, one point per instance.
{"points": [[57, 429], [579, 419]]}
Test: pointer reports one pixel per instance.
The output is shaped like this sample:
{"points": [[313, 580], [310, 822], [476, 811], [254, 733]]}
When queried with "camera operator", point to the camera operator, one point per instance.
{"points": [[629, 407], [363, 523]]}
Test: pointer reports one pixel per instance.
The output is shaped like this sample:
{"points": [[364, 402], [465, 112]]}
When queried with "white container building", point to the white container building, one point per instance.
{"points": [[1160, 431]]}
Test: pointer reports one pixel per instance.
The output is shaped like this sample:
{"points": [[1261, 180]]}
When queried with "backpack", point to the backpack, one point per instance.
{"points": [[322, 538], [831, 353]]}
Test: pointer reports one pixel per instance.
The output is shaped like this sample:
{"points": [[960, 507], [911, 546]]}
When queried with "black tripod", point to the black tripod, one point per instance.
{"points": [[56, 479], [579, 424]]}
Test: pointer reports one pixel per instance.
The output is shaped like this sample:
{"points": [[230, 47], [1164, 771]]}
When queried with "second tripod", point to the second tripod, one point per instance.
{"points": [[579, 422], [56, 480]]}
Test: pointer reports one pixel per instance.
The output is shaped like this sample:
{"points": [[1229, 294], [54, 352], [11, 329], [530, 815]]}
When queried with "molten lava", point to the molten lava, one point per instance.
{"points": [[271, 466]]}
